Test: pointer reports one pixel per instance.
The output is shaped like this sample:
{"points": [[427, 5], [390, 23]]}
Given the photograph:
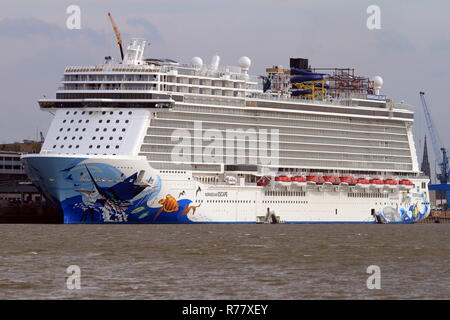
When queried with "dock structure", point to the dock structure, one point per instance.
{"points": [[437, 217]]}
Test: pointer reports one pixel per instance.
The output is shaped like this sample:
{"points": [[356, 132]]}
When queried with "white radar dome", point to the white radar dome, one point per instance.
{"points": [[197, 62], [378, 81], [245, 62]]}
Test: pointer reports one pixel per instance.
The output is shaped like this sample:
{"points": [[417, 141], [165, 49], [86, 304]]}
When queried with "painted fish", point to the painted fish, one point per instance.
{"points": [[142, 216], [139, 209]]}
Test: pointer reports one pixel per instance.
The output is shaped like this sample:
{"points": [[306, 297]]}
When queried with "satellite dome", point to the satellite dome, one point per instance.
{"points": [[197, 62], [378, 82], [244, 62]]}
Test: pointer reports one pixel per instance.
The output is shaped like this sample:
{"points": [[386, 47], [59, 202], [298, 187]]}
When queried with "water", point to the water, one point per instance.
{"points": [[225, 261]]}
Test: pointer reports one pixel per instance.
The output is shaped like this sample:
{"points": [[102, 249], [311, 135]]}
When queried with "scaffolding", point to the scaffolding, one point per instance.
{"points": [[343, 82]]}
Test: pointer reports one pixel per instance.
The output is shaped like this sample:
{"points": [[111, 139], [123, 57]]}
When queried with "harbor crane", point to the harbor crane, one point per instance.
{"points": [[438, 147], [117, 32]]}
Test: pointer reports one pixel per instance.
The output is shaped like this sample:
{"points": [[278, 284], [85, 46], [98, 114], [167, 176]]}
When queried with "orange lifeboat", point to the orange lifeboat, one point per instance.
{"points": [[390, 183], [315, 180], [263, 182], [363, 182], [282, 180], [348, 181], [298, 181], [332, 180], [406, 184], [376, 183]]}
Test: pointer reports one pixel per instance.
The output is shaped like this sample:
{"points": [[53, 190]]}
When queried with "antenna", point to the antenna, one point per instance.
{"points": [[117, 32]]}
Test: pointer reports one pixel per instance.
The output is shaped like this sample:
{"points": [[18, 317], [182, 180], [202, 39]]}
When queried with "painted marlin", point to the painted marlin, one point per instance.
{"points": [[121, 193]]}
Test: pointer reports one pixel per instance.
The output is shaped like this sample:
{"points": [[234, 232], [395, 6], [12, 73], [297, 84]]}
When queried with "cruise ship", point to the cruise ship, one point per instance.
{"points": [[147, 140]]}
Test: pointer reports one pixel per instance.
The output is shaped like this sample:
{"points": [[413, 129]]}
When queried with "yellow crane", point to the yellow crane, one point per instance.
{"points": [[117, 32]]}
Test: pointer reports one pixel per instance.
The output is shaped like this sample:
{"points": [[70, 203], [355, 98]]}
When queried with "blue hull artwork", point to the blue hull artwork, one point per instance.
{"points": [[411, 209], [90, 191]]}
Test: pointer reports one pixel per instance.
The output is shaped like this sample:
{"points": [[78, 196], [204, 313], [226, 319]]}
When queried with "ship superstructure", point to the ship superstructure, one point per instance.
{"points": [[152, 140]]}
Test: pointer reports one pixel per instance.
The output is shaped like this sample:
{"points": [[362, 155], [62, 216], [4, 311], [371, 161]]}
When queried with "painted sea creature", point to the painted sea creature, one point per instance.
{"points": [[170, 204], [143, 215], [121, 193], [137, 210]]}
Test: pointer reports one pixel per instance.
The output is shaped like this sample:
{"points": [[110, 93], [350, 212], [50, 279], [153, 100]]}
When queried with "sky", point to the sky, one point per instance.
{"points": [[410, 51]]}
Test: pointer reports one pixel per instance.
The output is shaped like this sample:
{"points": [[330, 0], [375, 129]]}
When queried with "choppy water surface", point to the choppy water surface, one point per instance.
{"points": [[225, 261]]}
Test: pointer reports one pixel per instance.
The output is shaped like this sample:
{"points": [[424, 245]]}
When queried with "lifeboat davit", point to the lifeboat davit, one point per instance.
{"points": [[298, 181], [332, 180], [390, 183], [282, 180], [376, 183], [406, 184], [263, 182], [349, 181], [314, 180]]}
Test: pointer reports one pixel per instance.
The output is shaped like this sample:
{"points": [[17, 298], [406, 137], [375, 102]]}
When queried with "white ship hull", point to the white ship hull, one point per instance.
{"points": [[121, 190]]}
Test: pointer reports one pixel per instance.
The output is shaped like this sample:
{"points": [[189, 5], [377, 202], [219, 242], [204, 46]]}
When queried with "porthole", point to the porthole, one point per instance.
{"points": [[103, 112], [114, 129], [73, 138], [111, 113], [77, 146], [108, 121], [67, 112], [57, 138], [120, 112], [96, 129], [120, 138], [93, 138], [117, 147], [71, 121], [68, 129], [130, 112], [54, 146], [70, 146], [90, 112], [83, 112], [60, 129], [80, 138], [107, 147], [117, 121], [101, 138], [104, 130], [90, 147], [64, 121], [110, 138], [87, 121], [65, 138], [79, 121], [84, 129], [100, 121], [75, 112], [98, 147], [76, 129], [123, 130], [126, 121], [62, 146]]}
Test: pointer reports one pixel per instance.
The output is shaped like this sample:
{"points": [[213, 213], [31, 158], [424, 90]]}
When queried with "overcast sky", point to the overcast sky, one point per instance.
{"points": [[411, 51]]}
